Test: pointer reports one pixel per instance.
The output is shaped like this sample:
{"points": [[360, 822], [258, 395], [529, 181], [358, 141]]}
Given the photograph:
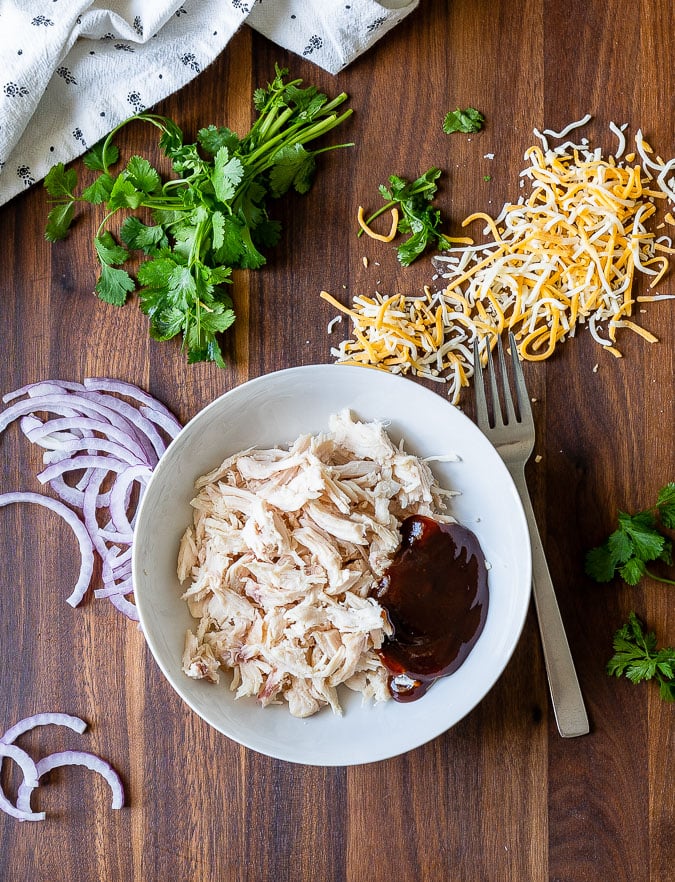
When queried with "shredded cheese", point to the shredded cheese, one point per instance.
{"points": [[568, 254], [373, 235], [563, 257], [427, 335]]}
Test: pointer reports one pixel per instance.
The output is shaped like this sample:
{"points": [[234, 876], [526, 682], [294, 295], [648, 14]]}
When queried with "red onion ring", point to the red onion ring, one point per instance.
{"points": [[124, 606], [154, 407], [45, 719], [43, 433], [90, 447], [32, 771], [33, 389], [83, 537], [112, 445], [146, 429], [30, 780], [72, 758], [125, 587]]}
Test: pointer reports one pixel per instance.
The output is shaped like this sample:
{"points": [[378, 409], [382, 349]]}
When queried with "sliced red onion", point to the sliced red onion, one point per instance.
{"points": [[119, 494], [46, 719], [83, 537], [74, 496], [154, 407], [110, 534], [91, 494], [30, 780], [32, 771], [62, 404], [146, 429], [40, 432], [125, 607], [33, 389], [51, 438], [77, 463], [73, 758], [168, 422], [99, 453], [89, 447], [124, 587]]}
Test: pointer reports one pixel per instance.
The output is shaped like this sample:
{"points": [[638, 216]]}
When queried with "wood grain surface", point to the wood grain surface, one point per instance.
{"points": [[500, 797]]}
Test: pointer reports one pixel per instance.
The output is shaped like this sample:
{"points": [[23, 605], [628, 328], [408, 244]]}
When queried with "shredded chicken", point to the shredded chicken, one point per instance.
{"points": [[284, 549]]}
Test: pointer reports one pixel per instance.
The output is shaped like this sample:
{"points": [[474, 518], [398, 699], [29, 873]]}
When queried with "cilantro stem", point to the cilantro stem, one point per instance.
{"points": [[275, 122], [378, 213], [263, 155], [659, 578], [105, 221], [331, 147]]}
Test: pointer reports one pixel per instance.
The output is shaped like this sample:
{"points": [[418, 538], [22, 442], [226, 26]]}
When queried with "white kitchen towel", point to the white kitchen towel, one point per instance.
{"points": [[71, 70]]}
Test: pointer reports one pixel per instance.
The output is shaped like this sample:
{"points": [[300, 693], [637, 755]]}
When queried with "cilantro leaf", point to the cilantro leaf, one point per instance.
{"points": [[637, 542], [154, 274], [212, 138], [166, 322], [228, 236], [114, 285], [633, 570], [135, 234], [665, 504], [142, 175], [468, 121], [171, 140], [294, 167], [124, 194], [109, 251], [59, 220], [101, 156], [620, 547], [637, 657], [641, 531], [227, 174], [250, 257], [60, 183], [267, 233], [600, 563], [99, 192]]}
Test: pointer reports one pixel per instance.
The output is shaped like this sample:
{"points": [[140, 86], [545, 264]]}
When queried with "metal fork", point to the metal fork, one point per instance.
{"points": [[512, 434]]}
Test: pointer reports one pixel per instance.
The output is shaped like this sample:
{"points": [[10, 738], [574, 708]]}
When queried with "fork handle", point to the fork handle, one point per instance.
{"points": [[566, 698]]}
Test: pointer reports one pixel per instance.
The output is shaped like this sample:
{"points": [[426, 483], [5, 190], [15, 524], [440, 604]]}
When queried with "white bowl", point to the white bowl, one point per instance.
{"points": [[273, 410]]}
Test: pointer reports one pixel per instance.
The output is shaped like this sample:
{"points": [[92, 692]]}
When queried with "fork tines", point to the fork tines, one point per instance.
{"points": [[500, 410]]}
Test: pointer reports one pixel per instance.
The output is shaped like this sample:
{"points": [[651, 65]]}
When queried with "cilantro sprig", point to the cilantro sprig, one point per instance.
{"points": [[210, 218], [637, 541], [418, 219], [468, 121], [637, 657]]}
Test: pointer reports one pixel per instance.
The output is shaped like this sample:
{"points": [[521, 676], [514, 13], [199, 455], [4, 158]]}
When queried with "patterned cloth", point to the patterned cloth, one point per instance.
{"points": [[74, 69]]}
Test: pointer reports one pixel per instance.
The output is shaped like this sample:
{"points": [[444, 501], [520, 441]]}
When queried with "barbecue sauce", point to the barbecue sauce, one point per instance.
{"points": [[435, 593]]}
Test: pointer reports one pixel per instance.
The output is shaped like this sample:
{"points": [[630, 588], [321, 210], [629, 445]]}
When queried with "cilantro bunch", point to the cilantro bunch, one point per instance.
{"points": [[638, 540], [209, 219], [418, 219], [637, 657]]}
